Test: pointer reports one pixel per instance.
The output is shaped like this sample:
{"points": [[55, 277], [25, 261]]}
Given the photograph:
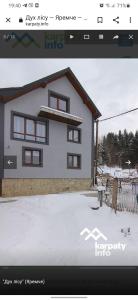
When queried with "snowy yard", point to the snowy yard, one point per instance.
{"points": [[45, 230], [119, 172]]}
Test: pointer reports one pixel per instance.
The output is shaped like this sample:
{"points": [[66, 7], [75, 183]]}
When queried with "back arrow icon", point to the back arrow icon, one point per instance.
{"points": [[10, 162]]}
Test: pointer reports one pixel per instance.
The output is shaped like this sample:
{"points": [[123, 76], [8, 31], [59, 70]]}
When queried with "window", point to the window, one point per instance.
{"points": [[18, 127], [29, 129], [73, 161], [73, 134], [59, 102], [40, 132], [32, 157]]}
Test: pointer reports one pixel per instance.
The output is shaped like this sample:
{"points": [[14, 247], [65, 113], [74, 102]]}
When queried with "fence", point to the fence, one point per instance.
{"points": [[127, 199]]}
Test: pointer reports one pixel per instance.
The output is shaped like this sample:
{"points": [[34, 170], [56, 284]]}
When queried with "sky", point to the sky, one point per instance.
{"points": [[112, 84]]}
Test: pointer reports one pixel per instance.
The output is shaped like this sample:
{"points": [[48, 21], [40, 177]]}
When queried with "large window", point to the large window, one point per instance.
{"points": [[59, 102], [32, 157], [73, 134], [29, 129], [73, 161]]}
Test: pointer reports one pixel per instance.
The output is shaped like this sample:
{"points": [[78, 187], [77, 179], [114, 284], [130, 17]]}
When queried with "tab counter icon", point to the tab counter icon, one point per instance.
{"points": [[96, 234]]}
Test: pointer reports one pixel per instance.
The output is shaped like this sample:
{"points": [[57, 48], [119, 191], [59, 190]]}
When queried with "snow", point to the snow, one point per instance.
{"points": [[101, 188], [119, 172], [60, 113], [45, 230]]}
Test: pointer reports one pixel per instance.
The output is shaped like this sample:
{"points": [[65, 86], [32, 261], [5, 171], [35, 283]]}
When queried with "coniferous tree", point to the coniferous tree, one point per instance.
{"points": [[117, 149]]}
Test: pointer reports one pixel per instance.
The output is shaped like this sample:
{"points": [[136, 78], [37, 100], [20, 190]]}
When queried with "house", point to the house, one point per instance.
{"points": [[46, 136]]}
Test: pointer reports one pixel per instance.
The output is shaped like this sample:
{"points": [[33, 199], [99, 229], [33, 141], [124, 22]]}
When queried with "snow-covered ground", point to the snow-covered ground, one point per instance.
{"points": [[45, 230], [119, 172]]}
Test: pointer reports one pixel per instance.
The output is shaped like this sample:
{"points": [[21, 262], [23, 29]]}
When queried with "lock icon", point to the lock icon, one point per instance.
{"points": [[20, 20]]}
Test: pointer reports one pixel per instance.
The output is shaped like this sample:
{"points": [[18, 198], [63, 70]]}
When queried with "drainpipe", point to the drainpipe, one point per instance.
{"points": [[1, 144], [96, 150]]}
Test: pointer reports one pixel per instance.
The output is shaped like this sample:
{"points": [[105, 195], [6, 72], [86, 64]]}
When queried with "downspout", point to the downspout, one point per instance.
{"points": [[1, 144], [96, 150], [92, 154]]}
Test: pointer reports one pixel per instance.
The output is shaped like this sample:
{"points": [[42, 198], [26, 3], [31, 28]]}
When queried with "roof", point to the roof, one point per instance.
{"points": [[8, 94]]}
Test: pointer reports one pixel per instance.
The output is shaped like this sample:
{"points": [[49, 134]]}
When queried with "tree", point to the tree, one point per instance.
{"points": [[119, 148]]}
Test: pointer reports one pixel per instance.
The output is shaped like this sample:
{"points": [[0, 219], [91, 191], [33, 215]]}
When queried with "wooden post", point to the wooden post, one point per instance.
{"points": [[94, 175], [100, 197], [96, 150], [114, 194]]}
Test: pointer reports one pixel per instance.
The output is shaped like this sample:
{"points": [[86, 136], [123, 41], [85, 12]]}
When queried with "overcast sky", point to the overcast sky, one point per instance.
{"points": [[111, 83]]}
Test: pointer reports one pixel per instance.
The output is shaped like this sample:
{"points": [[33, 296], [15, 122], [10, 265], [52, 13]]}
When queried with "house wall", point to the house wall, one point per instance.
{"points": [[54, 154], [1, 139], [92, 149], [27, 187]]}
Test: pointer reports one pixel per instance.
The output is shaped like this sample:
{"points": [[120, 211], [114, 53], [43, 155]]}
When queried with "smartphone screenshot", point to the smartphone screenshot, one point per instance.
{"points": [[68, 147]]}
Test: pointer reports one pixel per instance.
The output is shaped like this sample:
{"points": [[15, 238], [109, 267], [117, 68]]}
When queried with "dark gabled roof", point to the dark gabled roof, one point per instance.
{"points": [[7, 91], [9, 94]]}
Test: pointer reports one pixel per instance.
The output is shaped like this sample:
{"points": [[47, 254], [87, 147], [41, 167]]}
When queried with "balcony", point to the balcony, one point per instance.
{"points": [[59, 116]]}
